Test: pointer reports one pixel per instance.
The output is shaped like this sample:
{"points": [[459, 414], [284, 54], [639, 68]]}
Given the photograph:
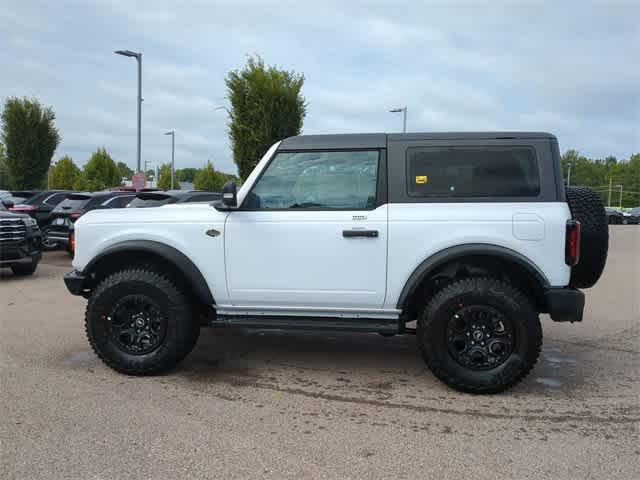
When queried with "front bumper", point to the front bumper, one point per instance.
{"points": [[24, 251], [77, 283], [565, 304]]}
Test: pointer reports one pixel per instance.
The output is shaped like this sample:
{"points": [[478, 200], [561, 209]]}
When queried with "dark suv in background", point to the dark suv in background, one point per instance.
{"points": [[76, 205], [20, 242], [39, 205]]}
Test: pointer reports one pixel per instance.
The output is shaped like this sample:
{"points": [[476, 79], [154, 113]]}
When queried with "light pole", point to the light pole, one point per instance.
{"points": [[620, 197], [173, 151], [138, 57], [404, 116], [569, 175]]}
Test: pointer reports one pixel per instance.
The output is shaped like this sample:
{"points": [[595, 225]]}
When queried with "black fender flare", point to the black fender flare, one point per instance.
{"points": [[178, 259], [438, 259]]}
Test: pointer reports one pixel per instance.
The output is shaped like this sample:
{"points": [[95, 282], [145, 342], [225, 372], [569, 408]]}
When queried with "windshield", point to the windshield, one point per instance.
{"points": [[73, 202]]}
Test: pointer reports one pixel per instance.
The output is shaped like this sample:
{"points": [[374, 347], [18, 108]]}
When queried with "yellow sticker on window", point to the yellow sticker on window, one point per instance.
{"points": [[421, 179]]}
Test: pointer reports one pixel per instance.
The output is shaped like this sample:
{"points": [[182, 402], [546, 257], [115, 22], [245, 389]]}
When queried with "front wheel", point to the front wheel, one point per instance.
{"points": [[24, 269], [480, 335], [139, 323]]}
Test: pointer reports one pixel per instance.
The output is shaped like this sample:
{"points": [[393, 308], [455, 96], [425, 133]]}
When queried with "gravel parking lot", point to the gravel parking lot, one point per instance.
{"points": [[264, 404]]}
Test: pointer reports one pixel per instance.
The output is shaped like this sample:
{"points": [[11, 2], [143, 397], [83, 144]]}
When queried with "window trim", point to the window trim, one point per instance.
{"points": [[470, 198], [381, 182]]}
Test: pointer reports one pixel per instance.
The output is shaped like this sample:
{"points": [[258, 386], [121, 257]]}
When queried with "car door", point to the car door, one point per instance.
{"points": [[312, 232]]}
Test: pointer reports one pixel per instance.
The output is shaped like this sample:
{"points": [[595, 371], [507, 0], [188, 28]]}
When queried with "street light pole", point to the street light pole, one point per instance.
{"points": [[404, 116], [138, 57], [569, 175], [620, 196], [173, 150]]}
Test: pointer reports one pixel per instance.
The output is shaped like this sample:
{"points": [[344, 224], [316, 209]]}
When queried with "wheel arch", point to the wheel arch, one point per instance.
{"points": [[474, 254], [141, 252]]}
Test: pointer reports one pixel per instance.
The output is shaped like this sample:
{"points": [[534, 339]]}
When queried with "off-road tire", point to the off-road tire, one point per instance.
{"points": [[182, 328], [24, 269], [586, 207], [510, 302]]}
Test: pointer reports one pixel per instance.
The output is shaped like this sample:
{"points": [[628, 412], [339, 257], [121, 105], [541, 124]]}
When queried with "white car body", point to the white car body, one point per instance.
{"points": [[299, 262]]}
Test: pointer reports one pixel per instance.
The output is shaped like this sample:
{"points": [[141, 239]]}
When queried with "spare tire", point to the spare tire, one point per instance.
{"points": [[587, 208]]}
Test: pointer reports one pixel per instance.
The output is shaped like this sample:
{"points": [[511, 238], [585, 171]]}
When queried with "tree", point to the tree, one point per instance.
{"points": [[124, 171], [186, 174], [164, 178], [266, 106], [209, 179], [30, 138], [63, 174], [4, 174], [81, 184], [101, 171]]}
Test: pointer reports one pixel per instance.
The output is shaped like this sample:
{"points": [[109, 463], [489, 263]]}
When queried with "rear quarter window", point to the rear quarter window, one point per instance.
{"points": [[472, 172]]}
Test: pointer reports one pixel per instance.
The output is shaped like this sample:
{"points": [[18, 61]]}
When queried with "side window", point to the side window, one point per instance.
{"points": [[329, 180], [472, 172]]}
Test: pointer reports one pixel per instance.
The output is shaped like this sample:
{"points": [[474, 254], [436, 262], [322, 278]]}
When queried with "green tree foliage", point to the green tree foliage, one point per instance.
{"points": [[124, 170], [266, 106], [186, 174], [164, 178], [209, 179], [81, 184], [596, 173], [101, 171], [63, 174], [4, 173], [30, 138]]}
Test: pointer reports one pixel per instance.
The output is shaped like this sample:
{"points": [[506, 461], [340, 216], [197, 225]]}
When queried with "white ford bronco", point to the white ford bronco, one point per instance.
{"points": [[466, 236]]}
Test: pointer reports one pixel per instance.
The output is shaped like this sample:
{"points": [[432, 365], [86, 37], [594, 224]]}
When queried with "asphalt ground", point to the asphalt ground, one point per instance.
{"points": [[273, 404]]}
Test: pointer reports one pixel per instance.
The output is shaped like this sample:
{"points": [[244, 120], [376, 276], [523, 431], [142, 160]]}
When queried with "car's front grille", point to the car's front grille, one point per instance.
{"points": [[12, 229]]}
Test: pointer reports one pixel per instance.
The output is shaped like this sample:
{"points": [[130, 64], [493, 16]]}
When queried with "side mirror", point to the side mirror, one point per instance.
{"points": [[7, 203], [230, 194]]}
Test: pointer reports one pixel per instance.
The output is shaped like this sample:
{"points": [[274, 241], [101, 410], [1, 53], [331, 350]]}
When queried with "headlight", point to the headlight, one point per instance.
{"points": [[30, 222]]}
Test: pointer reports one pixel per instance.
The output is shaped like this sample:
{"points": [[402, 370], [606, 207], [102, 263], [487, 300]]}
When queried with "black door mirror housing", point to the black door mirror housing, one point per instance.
{"points": [[230, 194], [7, 203]]}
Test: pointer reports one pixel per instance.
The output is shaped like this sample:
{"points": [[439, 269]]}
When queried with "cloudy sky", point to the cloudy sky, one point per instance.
{"points": [[570, 67]]}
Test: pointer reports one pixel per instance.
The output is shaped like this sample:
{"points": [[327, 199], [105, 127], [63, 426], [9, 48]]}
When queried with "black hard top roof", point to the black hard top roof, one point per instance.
{"points": [[379, 140]]}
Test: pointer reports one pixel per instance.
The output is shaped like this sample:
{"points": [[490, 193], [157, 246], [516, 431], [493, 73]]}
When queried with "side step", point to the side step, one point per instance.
{"points": [[307, 323]]}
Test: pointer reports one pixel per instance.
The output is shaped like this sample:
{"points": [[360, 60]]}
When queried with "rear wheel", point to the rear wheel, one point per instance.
{"points": [[139, 323], [479, 335], [48, 244]]}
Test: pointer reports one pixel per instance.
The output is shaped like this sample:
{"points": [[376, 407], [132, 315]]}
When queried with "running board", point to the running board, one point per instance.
{"points": [[307, 323]]}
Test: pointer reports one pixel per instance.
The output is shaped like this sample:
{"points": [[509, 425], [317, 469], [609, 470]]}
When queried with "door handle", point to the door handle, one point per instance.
{"points": [[360, 233]]}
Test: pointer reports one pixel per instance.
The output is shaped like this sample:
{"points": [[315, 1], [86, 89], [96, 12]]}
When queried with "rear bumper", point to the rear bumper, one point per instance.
{"points": [[76, 283], [565, 304]]}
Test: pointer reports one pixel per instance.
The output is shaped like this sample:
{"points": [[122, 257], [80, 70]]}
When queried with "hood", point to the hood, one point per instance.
{"points": [[5, 214], [172, 213]]}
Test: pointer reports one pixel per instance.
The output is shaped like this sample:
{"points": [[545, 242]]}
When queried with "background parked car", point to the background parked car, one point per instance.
{"points": [[39, 205], [158, 198], [614, 217], [18, 197], [20, 242], [77, 204], [631, 217]]}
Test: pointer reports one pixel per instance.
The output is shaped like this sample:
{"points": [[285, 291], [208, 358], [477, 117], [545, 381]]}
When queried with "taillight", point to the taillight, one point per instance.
{"points": [[72, 242], [23, 208], [572, 245], [75, 215]]}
